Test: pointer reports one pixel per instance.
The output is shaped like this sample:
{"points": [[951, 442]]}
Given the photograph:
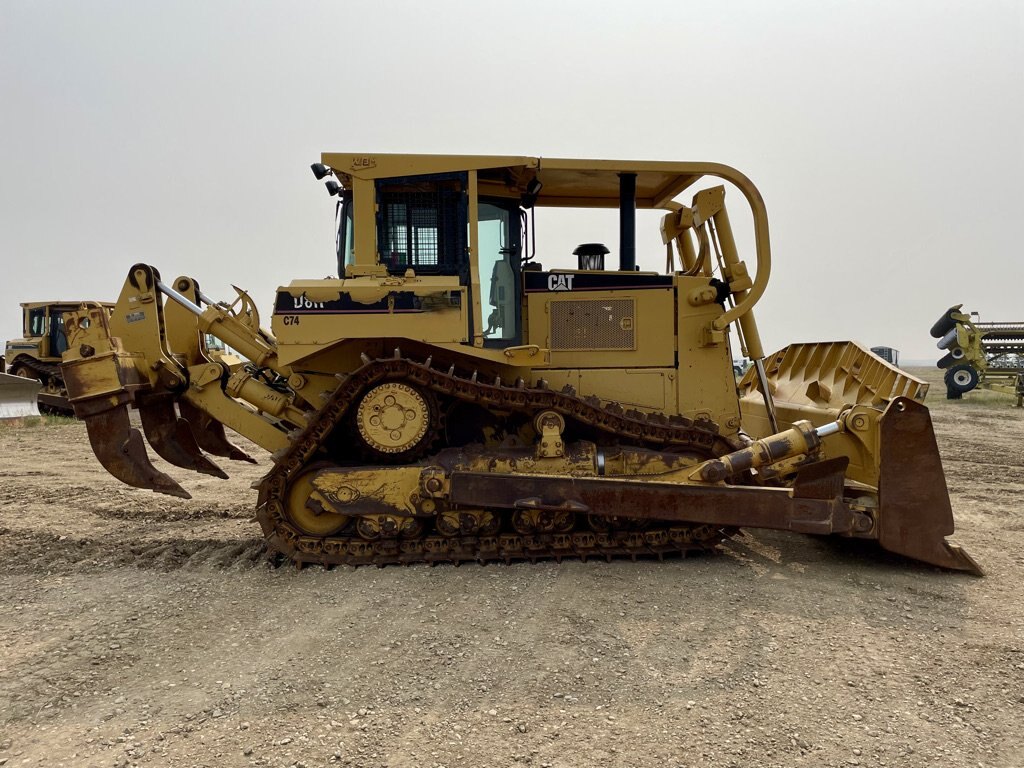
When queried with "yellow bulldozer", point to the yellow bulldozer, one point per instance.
{"points": [[449, 398], [37, 354]]}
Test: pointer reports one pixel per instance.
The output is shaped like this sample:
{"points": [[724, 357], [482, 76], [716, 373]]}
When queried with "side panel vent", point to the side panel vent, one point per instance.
{"points": [[592, 324]]}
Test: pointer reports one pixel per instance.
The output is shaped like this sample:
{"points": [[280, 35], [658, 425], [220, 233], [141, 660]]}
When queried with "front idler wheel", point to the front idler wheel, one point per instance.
{"points": [[307, 512], [23, 371]]}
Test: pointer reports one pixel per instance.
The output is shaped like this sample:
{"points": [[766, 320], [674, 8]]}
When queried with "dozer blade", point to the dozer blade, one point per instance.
{"points": [[172, 438], [122, 452], [18, 396], [209, 434], [916, 515]]}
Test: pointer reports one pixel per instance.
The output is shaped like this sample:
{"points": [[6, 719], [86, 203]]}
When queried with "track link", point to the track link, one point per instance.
{"points": [[507, 548], [348, 548]]}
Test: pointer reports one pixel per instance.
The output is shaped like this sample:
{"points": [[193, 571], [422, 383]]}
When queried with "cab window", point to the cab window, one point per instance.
{"points": [[343, 240], [36, 325], [499, 242], [421, 224]]}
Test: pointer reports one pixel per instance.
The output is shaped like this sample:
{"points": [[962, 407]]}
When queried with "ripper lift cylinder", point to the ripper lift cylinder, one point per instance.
{"points": [[212, 320]]}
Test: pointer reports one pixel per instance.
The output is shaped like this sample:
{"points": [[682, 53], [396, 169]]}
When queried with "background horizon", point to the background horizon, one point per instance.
{"points": [[885, 138]]}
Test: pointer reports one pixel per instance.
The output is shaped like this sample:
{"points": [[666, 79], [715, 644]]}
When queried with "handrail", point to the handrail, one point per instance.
{"points": [[762, 246]]}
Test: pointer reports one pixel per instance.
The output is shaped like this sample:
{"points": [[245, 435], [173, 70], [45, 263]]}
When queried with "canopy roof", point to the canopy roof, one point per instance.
{"points": [[566, 182], [71, 303]]}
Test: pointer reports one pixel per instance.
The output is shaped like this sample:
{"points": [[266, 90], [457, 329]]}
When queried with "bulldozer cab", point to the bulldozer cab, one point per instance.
{"points": [[37, 355], [470, 219], [43, 327], [443, 250], [422, 224], [43, 335]]}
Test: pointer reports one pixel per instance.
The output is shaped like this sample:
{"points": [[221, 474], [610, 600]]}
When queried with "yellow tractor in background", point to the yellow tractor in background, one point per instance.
{"points": [[448, 398], [37, 354]]}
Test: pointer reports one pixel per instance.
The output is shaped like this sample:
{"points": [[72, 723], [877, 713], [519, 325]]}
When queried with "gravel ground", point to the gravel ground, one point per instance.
{"points": [[137, 629]]}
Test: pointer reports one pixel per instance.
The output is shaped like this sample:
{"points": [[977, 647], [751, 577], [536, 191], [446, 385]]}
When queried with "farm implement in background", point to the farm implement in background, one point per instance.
{"points": [[987, 355]]}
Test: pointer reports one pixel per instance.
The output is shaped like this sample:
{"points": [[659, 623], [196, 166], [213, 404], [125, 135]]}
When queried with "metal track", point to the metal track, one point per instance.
{"points": [[348, 548], [507, 548]]}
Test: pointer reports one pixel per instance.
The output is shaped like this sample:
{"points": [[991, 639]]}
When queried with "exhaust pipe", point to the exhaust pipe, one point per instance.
{"points": [[627, 222]]}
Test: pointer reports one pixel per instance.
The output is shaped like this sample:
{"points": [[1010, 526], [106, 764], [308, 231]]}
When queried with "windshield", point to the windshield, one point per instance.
{"points": [[343, 233], [36, 325]]}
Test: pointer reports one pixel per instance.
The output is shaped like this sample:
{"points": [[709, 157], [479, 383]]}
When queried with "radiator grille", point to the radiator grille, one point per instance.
{"points": [[592, 324]]}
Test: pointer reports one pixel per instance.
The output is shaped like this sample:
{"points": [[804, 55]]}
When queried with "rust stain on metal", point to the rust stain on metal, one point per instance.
{"points": [[122, 452], [172, 438], [916, 515]]}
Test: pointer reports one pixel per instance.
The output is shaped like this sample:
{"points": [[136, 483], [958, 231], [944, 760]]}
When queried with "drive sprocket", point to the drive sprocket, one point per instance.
{"points": [[396, 421]]}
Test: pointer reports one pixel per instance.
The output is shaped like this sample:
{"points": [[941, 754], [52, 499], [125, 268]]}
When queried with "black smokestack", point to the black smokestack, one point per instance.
{"points": [[627, 222]]}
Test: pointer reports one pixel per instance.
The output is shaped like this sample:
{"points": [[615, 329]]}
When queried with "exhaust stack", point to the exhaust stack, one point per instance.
{"points": [[627, 222]]}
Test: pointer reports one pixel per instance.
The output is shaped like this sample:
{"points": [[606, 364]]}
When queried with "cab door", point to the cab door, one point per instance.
{"points": [[57, 337], [500, 265]]}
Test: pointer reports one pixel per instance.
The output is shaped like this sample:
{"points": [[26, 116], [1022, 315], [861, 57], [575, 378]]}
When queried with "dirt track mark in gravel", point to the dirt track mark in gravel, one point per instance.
{"points": [[155, 635], [28, 552]]}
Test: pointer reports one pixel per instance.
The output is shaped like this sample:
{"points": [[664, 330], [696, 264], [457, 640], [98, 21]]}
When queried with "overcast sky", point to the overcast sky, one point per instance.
{"points": [[886, 137]]}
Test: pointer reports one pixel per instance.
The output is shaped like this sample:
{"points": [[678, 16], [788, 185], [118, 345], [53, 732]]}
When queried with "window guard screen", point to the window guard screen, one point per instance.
{"points": [[422, 224]]}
